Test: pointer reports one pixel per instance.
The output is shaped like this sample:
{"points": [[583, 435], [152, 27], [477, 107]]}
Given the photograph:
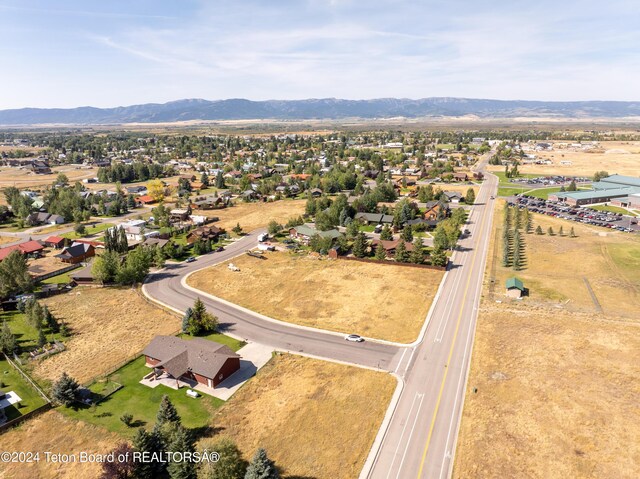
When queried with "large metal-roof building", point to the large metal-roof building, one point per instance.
{"points": [[614, 187]]}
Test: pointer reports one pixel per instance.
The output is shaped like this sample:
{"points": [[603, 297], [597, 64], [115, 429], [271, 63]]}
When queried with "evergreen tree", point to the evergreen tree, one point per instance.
{"points": [[220, 180], [65, 390], [561, 232], [186, 319], [417, 255], [14, 275], [167, 412], [123, 467], [49, 320], [470, 197], [182, 442], [572, 233], [229, 466], [438, 257], [539, 230], [261, 467], [42, 340], [147, 442], [353, 229], [401, 255], [237, 229], [201, 321], [381, 253], [550, 231], [407, 234], [8, 343], [386, 233], [204, 179], [359, 248]]}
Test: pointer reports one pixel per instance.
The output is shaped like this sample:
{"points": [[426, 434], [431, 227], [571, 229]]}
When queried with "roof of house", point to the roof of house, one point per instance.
{"points": [[27, 247], [515, 283], [75, 250], [178, 356], [307, 230], [161, 243], [146, 199], [390, 245], [54, 239]]}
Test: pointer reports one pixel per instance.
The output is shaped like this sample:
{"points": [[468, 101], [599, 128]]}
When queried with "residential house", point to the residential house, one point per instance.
{"points": [[305, 232], [191, 361], [42, 218], [159, 242], [145, 200], [374, 218], [460, 176], [436, 210], [390, 246], [55, 242], [208, 202], [30, 248], [76, 253], [204, 233]]}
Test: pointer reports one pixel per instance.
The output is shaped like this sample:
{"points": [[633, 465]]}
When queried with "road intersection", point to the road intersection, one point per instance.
{"points": [[419, 435]]}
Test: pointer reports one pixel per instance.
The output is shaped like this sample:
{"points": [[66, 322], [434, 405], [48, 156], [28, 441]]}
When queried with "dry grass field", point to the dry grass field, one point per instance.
{"points": [[315, 419], [109, 325], [256, 215], [618, 157], [22, 178], [557, 381], [381, 301], [54, 432], [7, 239], [556, 268]]}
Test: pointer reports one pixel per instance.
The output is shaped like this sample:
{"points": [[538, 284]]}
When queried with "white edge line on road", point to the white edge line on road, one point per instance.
{"points": [[372, 458]]}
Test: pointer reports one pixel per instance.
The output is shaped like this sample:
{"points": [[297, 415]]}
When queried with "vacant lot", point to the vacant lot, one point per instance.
{"points": [[556, 268], [557, 381], [557, 397], [48, 263], [23, 178], [256, 215], [109, 325], [315, 419], [56, 433], [382, 301]]}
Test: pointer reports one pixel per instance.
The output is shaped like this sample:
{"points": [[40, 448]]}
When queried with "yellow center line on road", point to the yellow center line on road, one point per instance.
{"points": [[453, 343]]}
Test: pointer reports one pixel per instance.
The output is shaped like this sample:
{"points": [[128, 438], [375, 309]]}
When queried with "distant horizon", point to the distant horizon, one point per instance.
{"points": [[125, 105], [124, 53]]}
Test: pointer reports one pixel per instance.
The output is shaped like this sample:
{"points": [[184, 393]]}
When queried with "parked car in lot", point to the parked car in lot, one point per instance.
{"points": [[354, 338]]}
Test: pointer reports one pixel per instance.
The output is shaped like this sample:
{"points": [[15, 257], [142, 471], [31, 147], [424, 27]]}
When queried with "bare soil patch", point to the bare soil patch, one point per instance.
{"points": [[314, 418], [382, 301]]}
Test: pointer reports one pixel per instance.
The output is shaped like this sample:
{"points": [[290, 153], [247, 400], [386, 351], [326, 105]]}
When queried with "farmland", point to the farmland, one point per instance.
{"points": [[328, 294]]}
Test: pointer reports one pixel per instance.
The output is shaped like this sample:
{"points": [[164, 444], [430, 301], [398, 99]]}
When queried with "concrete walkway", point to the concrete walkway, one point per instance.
{"points": [[253, 357]]}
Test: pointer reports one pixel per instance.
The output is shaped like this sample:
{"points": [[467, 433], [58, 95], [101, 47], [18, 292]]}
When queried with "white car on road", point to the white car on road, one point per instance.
{"points": [[354, 338]]}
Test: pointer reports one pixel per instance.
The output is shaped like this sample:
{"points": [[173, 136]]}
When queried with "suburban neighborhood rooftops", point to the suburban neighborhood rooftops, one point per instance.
{"points": [[307, 230], [177, 356]]}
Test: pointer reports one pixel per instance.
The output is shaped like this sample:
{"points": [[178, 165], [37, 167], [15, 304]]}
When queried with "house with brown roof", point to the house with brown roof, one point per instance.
{"points": [[390, 246], [54, 242], [204, 233], [190, 361], [460, 176], [76, 253], [435, 210]]}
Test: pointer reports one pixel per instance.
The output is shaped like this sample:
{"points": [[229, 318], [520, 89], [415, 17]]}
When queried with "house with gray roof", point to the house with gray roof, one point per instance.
{"points": [[191, 361]]}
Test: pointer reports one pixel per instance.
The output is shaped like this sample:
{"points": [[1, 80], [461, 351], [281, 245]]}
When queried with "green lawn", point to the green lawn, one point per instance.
{"points": [[91, 230], [11, 380], [142, 401], [543, 193], [510, 191], [63, 278], [507, 181], [233, 344], [26, 335]]}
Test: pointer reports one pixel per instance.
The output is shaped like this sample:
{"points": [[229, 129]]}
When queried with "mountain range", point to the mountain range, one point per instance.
{"points": [[326, 108]]}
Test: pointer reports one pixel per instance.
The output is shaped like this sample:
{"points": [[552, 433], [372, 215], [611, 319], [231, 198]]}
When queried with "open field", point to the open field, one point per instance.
{"points": [[382, 301], [8, 239], [90, 231], [54, 432], [256, 215], [142, 402], [556, 380], [557, 397], [108, 326], [23, 178], [315, 419], [556, 266], [12, 380]]}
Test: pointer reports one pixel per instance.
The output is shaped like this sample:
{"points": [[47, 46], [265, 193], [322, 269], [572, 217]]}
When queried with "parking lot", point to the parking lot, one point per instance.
{"points": [[579, 214], [555, 180]]}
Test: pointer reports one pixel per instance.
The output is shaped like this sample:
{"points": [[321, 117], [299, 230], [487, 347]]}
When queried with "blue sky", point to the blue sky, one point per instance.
{"points": [[110, 53]]}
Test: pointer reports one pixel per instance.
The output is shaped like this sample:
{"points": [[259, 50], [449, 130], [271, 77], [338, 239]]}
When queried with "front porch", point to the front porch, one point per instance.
{"points": [[153, 380]]}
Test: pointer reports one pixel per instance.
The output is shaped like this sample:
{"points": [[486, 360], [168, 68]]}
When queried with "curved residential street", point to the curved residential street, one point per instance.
{"points": [[418, 437]]}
